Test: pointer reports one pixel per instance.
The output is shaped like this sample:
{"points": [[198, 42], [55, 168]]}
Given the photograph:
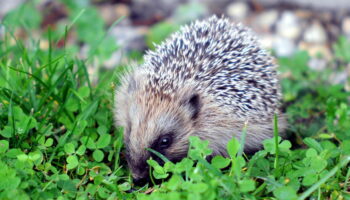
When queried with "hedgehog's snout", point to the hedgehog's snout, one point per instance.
{"points": [[141, 181], [140, 174]]}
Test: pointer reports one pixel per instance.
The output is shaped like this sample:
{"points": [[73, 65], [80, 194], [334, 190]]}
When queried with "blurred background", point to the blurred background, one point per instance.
{"points": [[121, 30]]}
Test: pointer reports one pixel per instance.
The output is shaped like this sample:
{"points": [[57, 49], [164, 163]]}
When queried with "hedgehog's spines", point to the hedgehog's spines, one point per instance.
{"points": [[228, 53], [230, 77]]}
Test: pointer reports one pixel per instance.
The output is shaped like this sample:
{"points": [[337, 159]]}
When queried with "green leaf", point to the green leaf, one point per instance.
{"points": [[103, 192], [22, 157], [103, 141], [84, 91], [310, 179], [89, 142], [158, 171], [98, 155], [233, 147], [285, 193], [310, 142], [124, 186], [81, 125], [311, 153], [246, 185], [81, 150], [69, 148], [7, 132], [49, 142], [35, 156], [102, 130], [220, 162], [184, 165], [4, 146], [72, 162], [13, 153], [72, 104], [346, 147]]}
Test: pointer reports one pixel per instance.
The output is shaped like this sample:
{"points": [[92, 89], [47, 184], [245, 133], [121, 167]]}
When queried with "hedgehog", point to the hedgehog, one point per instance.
{"points": [[206, 80]]}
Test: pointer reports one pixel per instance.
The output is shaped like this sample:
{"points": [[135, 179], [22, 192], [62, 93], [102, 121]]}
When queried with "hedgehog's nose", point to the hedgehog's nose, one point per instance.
{"points": [[140, 181]]}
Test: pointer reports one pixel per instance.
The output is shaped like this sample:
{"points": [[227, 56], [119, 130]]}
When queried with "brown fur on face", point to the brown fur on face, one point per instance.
{"points": [[146, 116]]}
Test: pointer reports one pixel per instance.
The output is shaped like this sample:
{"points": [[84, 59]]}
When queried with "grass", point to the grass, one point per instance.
{"points": [[57, 139]]}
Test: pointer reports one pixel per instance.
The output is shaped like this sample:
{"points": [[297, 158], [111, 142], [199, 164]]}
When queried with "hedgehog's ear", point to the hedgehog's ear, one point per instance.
{"points": [[193, 104]]}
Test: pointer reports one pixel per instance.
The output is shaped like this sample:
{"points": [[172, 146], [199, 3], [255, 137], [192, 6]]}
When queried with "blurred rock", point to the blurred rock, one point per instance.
{"points": [[325, 16], [333, 32], [215, 6], [187, 13], [317, 64], [53, 12], [111, 13], [146, 12], [2, 31], [237, 10], [315, 34], [267, 41], [316, 50], [338, 78], [334, 5], [303, 14], [346, 26], [288, 26], [44, 44], [284, 47], [8, 5], [266, 20], [114, 60], [129, 37], [347, 84]]}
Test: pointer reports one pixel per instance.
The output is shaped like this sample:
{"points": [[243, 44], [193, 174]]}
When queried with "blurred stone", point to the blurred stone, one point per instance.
{"points": [[215, 6], [284, 47], [304, 14], [146, 12], [334, 5], [237, 10], [347, 84], [315, 34], [316, 50], [52, 12], [84, 52], [266, 20], [288, 26], [111, 13], [267, 40], [346, 26], [338, 78], [189, 12], [326, 16], [122, 10], [129, 37], [44, 44], [333, 31], [317, 64], [2, 31], [8, 5], [114, 60]]}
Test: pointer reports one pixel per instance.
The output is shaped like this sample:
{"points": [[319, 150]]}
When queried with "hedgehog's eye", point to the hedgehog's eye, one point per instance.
{"points": [[165, 141]]}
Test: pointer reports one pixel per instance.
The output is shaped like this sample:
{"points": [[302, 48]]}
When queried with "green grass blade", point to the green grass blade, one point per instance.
{"points": [[243, 137], [161, 156], [275, 134], [331, 173]]}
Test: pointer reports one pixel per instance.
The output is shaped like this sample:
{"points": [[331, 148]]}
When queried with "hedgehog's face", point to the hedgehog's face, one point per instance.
{"points": [[162, 124]]}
